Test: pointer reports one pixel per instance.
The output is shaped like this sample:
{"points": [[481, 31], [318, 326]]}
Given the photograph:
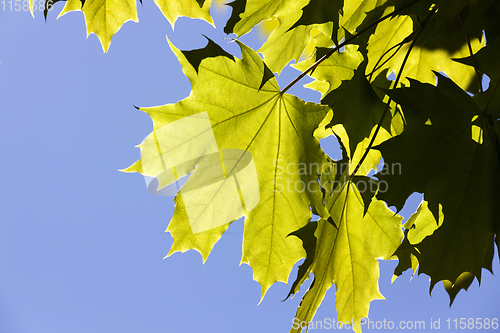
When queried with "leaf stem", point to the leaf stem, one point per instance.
{"points": [[340, 45], [491, 95], [379, 125]]}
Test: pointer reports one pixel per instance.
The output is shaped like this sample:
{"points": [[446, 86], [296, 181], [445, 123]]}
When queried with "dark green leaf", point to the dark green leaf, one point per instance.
{"points": [[356, 106], [306, 235], [444, 162]]}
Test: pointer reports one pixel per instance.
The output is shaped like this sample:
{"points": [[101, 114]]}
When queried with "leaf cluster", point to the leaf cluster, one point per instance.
{"points": [[401, 80]]}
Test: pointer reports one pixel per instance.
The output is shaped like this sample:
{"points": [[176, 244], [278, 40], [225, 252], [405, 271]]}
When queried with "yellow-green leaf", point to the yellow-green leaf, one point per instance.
{"points": [[248, 112], [289, 40], [431, 52], [331, 72], [440, 159], [105, 17], [346, 255], [173, 9]]}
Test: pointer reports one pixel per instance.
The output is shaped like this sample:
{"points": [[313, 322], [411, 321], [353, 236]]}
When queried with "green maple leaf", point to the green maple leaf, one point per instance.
{"points": [[433, 51], [247, 112], [346, 255], [449, 9], [465, 279], [355, 12], [352, 158], [357, 107], [491, 20], [331, 72], [486, 62], [105, 17], [441, 156], [384, 43], [297, 19], [420, 225], [307, 235], [173, 9], [288, 41], [248, 13]]}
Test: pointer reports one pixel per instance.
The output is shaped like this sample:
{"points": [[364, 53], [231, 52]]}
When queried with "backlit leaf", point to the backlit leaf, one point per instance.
{"points": [[439, 158], [288, 41], [105, 17], [432, 52], [249, 116]]}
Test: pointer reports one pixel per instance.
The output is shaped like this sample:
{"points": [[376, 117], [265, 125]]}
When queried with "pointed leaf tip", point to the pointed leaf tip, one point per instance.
{"points": [[211, 50]]}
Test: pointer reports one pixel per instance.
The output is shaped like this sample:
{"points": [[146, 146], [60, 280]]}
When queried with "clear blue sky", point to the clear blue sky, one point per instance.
{"points": [[82, 245]]}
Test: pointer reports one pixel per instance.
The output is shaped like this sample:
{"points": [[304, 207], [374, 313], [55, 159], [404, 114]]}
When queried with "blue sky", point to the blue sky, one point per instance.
{"points": [[82, 245]]}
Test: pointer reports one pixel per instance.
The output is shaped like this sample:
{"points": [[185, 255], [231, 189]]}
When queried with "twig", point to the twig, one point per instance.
{"points": [[347, 41], [478, 76]]}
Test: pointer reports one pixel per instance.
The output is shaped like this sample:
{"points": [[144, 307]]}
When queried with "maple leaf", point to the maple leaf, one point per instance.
{"points": [[251, 150], [441, 157], [297, 21], [289, 40], [353, 158], [105, 17], [357, 107], [355, 12], [421, 224], [330, 73], [248, 112], [173, 9], [346, 253], [247, 14], [485, 62]]}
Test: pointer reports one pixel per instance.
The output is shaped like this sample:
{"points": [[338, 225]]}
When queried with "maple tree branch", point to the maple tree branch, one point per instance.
{"points": [[347, 41], [379, 125]]}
